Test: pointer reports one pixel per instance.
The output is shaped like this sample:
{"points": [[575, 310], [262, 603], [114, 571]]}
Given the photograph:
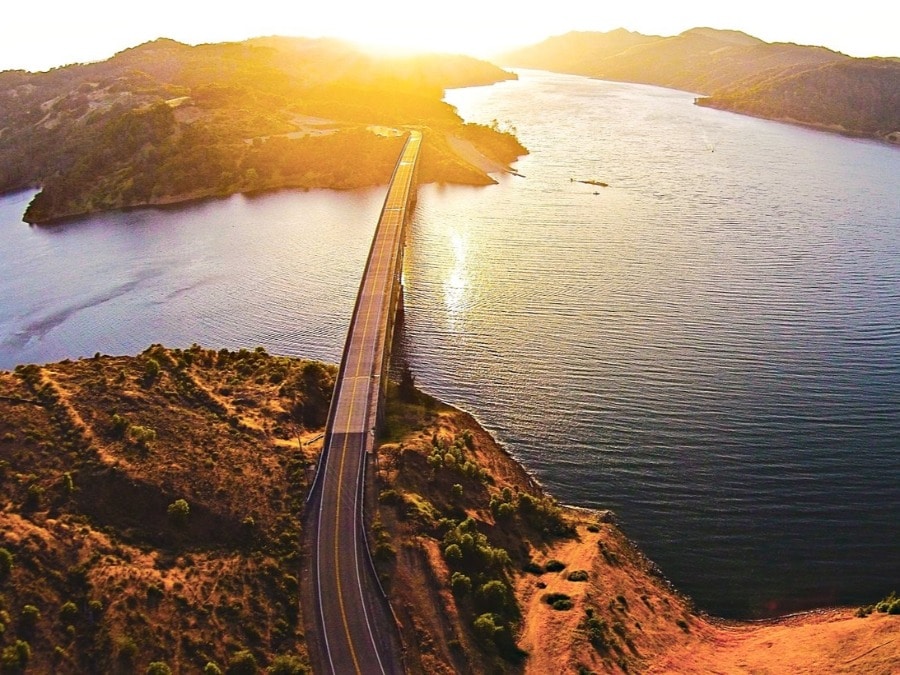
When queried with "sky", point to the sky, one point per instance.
{"points": [[59, 32]]}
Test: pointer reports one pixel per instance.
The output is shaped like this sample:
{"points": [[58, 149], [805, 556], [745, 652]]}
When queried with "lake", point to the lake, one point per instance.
{"points": [[709, 346]]}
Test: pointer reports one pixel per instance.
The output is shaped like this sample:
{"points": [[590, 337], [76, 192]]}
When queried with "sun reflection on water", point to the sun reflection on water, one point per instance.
{"points": [[456, 281]]}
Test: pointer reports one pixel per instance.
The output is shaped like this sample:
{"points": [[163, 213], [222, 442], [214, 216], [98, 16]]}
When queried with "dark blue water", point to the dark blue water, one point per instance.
{"points": [[710, 346]]}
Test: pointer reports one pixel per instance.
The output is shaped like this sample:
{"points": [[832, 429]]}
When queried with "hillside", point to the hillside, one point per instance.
{"points": [[151, 509], [165, 122], [738, 72], [859, 96]]}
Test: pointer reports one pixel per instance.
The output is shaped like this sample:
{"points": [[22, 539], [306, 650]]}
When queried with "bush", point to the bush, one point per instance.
{"points": [[491, 632], [555, 566], [287, 665], [15, 657], [460, 584], [142, 436], [212, 668], [532, 568], [494, 596], [558, 601], [68, 612], [242, 663], [890, 605], [6, 563], [595, 628], [33, 497], [119, 426], [158, 668], [30, 616], [577, 575], [178, 511], [151, 371]]}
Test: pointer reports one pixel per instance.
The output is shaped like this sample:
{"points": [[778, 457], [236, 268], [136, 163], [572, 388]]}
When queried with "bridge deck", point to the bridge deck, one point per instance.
{"points": [[357, 631]]}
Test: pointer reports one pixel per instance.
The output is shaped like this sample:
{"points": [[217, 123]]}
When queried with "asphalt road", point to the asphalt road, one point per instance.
{"points": [[357, 631]]}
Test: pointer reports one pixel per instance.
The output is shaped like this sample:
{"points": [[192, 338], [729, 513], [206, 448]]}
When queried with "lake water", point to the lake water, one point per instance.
{"points": [[710, 346]]}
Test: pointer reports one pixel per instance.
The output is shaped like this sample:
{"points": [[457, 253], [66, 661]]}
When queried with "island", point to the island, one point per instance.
{"points": [[152, 507], [166, 122]]}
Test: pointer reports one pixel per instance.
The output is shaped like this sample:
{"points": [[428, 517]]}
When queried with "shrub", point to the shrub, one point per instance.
{"points": [[15, 657], [151, 370], [6, 563], [158, 668], [494, 596], [126, 650], [142, 436], [390, 496], [68, 612], [532, 568], [595, 627], [491, 632], [577, 575], [286, 664], [119, 426], [242, 663], [178, 511], [555, 566], [887, 604], [30, 616], [460, 584], [212, 668], [558, 601], [33, 497]]}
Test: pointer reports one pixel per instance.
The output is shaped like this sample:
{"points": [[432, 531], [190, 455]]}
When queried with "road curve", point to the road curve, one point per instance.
{"points": [[355, 629]]}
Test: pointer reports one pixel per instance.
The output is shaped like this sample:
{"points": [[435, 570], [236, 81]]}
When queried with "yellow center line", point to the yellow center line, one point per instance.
{"points": [[379, 265], [379, 262]]}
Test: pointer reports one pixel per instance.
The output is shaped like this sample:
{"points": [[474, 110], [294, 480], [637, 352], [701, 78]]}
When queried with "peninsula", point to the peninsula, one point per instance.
{"points": [[166, 122], [152, 507]]}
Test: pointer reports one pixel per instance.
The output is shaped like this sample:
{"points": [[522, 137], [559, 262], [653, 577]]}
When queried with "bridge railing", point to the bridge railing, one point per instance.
{"points": [[329, 424]]}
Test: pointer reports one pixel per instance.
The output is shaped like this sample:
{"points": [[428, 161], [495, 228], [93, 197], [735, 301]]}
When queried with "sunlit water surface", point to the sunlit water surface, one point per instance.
{"points": [[710, 346]]}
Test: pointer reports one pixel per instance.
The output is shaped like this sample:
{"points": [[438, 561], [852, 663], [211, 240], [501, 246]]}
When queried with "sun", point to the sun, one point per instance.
{"points": [[402, 26], [408, 34]]}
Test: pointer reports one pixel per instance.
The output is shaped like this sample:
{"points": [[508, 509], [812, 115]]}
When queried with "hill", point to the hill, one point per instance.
{"points": [[151, 510], [738, 72], [165, 122]]}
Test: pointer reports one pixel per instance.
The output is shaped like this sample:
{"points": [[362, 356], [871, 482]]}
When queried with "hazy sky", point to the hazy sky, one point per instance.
{"points": [[57, 32]]}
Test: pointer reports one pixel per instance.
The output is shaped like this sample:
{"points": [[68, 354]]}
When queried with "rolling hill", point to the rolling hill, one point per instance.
{"points": [[735, 71], [166, 122]]}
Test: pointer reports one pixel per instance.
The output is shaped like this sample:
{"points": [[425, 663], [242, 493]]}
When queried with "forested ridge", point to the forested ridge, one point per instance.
{"points": [[165, 122]]}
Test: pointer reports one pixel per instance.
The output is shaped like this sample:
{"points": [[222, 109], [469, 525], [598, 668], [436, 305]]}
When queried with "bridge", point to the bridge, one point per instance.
{"points": [[354, 630]]}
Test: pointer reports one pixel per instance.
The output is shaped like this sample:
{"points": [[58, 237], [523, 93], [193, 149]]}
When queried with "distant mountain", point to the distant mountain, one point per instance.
{"points": [[575, 51], [165, 122], [809, 85]]}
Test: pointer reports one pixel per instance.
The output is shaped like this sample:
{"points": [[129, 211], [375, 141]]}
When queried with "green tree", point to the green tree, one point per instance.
{"points": [[178, 511]]}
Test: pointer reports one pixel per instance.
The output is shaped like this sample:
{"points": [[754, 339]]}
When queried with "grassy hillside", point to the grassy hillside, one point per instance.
{"points": [[859, 96], [166, 122], [151, 508], [738, 72]]}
